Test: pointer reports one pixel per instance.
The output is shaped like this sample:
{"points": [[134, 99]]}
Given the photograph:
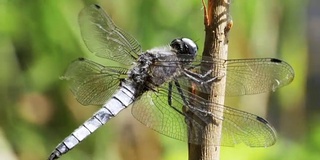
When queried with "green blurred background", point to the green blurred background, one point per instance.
{"points": [[38, 39]]}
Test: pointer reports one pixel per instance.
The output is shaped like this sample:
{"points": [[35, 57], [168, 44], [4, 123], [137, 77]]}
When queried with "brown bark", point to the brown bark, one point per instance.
{"points": [[217, 25]]}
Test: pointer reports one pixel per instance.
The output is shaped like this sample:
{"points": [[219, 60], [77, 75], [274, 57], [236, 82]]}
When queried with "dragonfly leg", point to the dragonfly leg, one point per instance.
{"points": [[186, 102], [202, 78], [170, 98]]}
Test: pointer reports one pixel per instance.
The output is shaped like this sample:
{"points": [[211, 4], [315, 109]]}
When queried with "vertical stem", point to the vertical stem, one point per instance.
{"points": [[217, 25]]}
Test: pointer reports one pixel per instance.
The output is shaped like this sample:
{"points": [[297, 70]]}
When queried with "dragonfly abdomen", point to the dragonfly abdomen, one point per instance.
{"points": [[121, 99]]}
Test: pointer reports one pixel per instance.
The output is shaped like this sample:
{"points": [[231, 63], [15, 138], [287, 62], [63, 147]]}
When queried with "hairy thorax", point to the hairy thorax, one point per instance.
{"points": [[155, 67]]}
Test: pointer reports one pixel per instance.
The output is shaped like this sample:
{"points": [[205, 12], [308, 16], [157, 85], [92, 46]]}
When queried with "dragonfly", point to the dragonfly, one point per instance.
{"points": [[157, 82]]}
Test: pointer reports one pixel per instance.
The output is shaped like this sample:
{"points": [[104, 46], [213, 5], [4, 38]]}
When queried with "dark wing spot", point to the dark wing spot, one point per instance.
{"points": [[97, 6], [262, 120], [275, 60], [81, 59]]}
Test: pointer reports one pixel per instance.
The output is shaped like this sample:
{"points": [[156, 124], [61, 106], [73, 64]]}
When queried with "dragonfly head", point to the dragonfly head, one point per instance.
{"points": [[184, 46]]}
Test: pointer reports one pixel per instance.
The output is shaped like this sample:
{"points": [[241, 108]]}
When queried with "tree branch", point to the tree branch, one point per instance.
{"points": [[217, 25]]}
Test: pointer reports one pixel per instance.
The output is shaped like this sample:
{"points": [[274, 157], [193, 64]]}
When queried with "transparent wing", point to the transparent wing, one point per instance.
{"points": [[237, 126], [104, 38], [93, 83], [244, 76]]}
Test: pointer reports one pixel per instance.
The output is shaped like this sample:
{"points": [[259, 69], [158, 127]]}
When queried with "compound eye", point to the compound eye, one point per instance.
{"points": [[190, 46], [177, 45], [184, 46]]}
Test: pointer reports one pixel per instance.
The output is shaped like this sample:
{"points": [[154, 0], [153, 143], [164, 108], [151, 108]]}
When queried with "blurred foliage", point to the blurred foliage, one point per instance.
{"points": [[38, 39]]}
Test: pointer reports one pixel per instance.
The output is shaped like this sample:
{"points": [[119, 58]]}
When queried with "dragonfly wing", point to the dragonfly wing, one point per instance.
{"points": [[252, 76], [93, 83], [153, 111], [244, 76], [237, 126], [243, 127], [104, 38]]}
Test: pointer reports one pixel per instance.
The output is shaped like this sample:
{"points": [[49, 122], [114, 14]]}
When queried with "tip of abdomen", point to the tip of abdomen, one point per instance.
{"points": [[54, 155], [60, 150]]}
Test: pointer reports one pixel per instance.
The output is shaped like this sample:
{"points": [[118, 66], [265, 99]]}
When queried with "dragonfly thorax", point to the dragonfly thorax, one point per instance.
{"points": [[140, 72], [155, 67]]}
